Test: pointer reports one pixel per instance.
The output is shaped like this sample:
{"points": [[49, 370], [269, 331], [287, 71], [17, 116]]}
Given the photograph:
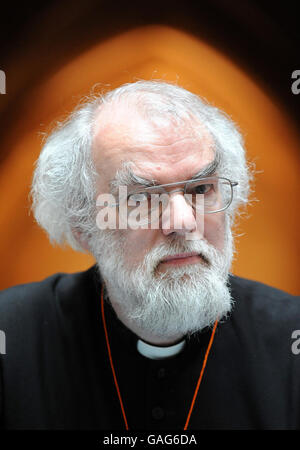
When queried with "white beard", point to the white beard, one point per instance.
{"points": [[180, 301]]}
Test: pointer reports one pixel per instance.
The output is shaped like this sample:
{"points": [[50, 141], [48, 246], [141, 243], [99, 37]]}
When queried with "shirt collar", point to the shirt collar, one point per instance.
{"points": [[157, 352]]}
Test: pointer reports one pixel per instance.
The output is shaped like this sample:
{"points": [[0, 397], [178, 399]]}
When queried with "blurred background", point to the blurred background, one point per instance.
{"points": [[240, 56]]}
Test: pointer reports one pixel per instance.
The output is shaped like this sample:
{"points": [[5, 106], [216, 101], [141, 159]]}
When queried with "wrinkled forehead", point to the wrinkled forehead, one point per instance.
{"points": [[161, 147]]}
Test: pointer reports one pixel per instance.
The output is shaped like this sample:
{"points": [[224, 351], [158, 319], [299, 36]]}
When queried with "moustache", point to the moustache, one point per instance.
{"points": [[166, 250]]}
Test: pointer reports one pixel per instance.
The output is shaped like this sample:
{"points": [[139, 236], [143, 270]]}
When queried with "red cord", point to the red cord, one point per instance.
{"points": [[114, 374], [111, 361], [201, 373]]}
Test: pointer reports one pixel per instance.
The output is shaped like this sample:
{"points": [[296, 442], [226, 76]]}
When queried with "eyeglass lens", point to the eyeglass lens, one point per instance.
{"points": [[208, 196]]}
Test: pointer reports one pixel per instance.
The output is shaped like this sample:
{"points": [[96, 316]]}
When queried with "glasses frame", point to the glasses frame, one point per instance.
{"points": [[184, 190]]}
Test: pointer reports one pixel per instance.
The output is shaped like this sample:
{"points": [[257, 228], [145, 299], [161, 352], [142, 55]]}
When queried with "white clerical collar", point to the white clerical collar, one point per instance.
{"points": [[155, 352]]}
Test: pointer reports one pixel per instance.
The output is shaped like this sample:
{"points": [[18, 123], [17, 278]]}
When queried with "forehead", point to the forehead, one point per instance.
{"points": [[159, 148]]}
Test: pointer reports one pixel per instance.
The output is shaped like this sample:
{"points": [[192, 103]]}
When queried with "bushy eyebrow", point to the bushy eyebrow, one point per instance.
{"points": [[126, 177], [208, 170]]}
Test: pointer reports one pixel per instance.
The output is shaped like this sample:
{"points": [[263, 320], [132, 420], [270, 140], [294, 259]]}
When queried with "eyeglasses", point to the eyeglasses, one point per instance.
{"points": [[208, 195]]}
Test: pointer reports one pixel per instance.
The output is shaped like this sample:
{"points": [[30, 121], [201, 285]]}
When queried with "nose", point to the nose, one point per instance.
{"points": [[179, 217]]}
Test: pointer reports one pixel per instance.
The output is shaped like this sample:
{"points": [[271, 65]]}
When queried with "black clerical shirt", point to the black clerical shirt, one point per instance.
{"points": [[55, 373]]}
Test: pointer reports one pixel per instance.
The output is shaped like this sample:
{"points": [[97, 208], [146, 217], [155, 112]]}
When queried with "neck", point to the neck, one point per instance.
{"points": [[162, 340]]}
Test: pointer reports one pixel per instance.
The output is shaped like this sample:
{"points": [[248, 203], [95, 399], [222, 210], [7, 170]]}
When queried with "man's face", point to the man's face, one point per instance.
{"points": [[140, 264], [166, 155]]}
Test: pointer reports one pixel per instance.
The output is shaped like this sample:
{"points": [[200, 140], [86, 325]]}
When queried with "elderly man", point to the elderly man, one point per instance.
{"points": [[158, 334]]}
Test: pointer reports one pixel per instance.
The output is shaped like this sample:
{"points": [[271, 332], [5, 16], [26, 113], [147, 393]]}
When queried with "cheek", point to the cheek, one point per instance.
{"points": [[137, 243], [214, 229]]}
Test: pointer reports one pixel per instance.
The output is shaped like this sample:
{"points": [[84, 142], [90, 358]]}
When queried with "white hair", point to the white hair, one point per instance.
{"points": [[167, 304], [63, 189]]}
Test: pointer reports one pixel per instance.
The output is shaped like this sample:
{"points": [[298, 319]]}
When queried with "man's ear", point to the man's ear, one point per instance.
{"points": [[82, 241]]}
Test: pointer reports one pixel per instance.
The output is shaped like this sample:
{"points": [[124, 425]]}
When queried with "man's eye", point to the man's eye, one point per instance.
{"points": [[204, 188], [138, 197]]}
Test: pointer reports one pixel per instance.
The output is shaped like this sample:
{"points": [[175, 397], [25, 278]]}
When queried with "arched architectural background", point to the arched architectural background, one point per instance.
{"points": [[267, 251]]}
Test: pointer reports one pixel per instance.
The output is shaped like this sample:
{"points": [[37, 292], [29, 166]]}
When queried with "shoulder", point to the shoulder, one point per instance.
{"points": [[264, 308], [261, 295], [257, 291], [249, 287], [33, 300]]}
